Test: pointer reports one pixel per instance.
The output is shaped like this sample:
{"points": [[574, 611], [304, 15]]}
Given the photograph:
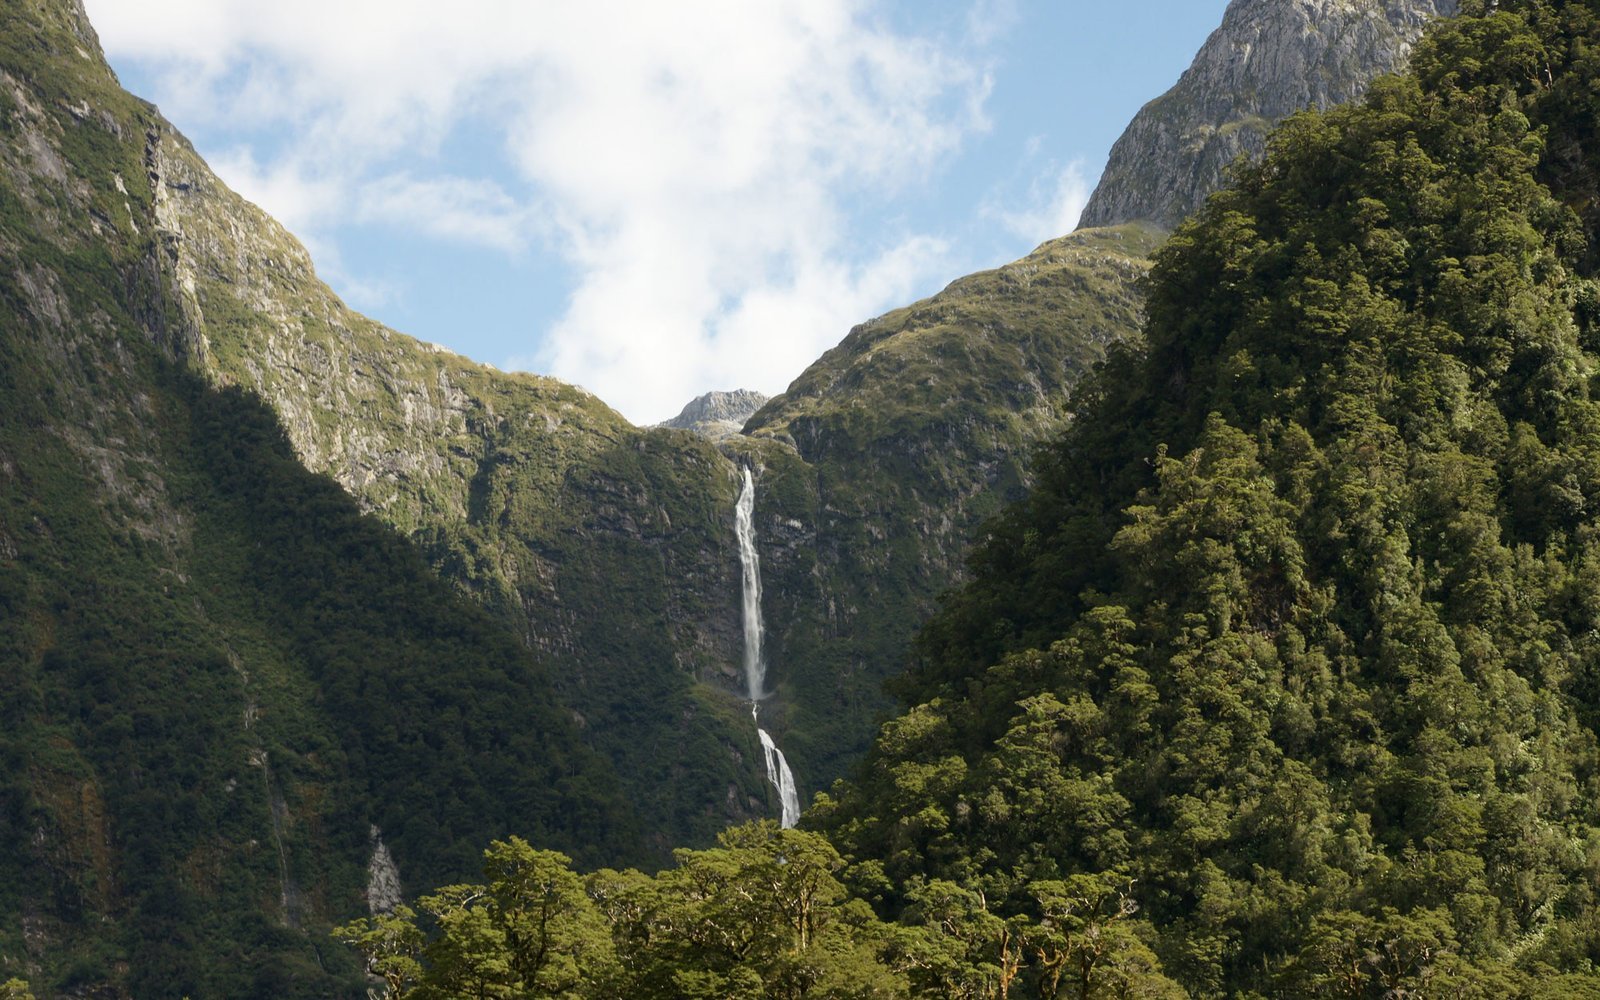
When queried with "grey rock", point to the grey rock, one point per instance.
{"points": [[1269, 59], [718, 415], [383, 878]]}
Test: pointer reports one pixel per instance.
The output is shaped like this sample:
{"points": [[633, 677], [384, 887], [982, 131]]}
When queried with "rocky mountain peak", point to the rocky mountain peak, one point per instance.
{"points": [[718, 414], [1269, 59]]}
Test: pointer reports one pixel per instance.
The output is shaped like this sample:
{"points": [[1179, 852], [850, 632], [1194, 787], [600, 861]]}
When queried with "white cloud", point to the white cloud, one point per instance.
{"points": [[989, 20], [1055, 199], [461, 210], [295, 196], [690, 160]]}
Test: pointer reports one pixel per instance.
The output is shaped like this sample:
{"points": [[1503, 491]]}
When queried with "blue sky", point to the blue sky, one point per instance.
{"points": [[653, 200]]}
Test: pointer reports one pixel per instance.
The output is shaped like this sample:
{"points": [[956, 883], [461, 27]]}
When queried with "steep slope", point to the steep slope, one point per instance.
{"points": [[1269, 58], [220, 683], [610, 548], [904, 438], [1290, 656]]}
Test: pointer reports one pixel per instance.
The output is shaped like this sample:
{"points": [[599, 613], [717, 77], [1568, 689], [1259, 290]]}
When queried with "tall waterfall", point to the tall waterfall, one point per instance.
{"points": [[755, 664]]}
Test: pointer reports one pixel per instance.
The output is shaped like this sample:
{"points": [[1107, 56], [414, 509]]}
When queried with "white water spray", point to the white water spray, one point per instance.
{"points": [[755, 664]]}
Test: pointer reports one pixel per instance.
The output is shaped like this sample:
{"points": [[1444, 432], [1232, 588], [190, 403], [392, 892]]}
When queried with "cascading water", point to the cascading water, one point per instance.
{"points": [[755, 665], [782, 779]]}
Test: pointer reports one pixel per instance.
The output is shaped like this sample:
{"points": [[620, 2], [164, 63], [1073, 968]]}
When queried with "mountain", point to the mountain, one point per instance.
{"points": [[1269, 59], [882, 459], [610, 549], [1285, 670], [424, 602], [1280, 682], [718, 414], [225, 690]]}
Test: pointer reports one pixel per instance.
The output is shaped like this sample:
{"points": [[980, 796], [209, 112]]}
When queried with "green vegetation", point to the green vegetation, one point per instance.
{"points": [[217, 675], [909, 434], [763, 915], [1295, 635]]}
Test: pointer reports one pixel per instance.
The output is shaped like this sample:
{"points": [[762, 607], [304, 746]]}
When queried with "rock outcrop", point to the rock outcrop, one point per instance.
{"points": [[1269, 59], [718, 415]]}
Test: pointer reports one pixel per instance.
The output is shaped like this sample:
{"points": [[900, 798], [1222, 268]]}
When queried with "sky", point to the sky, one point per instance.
{"points": [[653, 199]]}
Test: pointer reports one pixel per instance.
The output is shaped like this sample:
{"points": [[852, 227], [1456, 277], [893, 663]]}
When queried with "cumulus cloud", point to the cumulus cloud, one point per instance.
{"points": [[691, 162]]}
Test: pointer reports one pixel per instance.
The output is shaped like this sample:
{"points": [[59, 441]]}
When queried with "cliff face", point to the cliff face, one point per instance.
{"points": [[1269, 59], [220, 683]]}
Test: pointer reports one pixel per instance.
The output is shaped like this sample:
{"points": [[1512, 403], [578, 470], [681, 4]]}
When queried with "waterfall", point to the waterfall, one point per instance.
{"points": [[755, 667], [755, 664], [782, 779]]}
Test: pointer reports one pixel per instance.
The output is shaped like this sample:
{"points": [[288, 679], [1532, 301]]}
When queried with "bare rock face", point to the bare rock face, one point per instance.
{"points": [[383, 877], [1269, 59], [718, 414]]}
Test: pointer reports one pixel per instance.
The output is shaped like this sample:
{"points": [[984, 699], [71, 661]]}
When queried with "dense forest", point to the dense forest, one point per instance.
{"points": [[1297, 631], [1284, 678]]}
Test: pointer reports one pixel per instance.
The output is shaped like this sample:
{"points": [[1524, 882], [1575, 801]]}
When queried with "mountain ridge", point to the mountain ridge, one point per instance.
{"points": [[1268, 59]]}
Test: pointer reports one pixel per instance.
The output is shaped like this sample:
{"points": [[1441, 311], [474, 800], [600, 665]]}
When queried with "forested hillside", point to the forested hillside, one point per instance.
{"points": [[1296, 633], [1283, 679], [1278, 679], [222, 687]]}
